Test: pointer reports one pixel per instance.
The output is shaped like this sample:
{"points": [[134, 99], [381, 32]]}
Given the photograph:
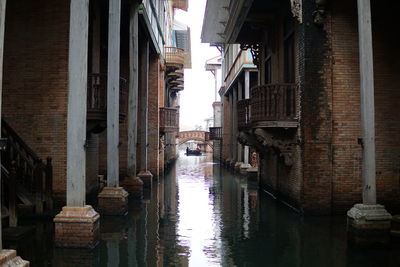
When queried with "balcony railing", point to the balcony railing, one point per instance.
{"points": [[215, 133], [174, 56], [97, 97], [244, 113], [273, 102], [169, 119]]}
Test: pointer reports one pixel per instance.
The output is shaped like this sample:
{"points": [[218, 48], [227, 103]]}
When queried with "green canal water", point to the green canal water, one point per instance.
{"points": [[200, 214]]}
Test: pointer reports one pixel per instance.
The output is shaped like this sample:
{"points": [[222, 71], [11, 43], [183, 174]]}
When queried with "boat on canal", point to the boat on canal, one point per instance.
{"points": [[193, 152]]}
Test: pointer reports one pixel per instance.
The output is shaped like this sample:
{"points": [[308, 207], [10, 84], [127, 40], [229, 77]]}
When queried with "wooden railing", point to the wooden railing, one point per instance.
{"points": [[244, 113], [273, 102], [169, 119], [26, 174], [215, 133], [97, 97], [174, 56]]}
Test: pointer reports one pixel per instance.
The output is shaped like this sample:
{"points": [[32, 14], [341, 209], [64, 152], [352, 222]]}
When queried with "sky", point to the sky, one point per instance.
{"points": [[197, 97]]}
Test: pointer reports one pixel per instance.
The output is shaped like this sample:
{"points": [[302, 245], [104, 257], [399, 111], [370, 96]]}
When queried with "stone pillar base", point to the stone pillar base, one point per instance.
{"points": [[9, 258], [395, 231], [146, 177], [134, 186], [113, 201], [77, 227], [245, 166], [368, 225]]}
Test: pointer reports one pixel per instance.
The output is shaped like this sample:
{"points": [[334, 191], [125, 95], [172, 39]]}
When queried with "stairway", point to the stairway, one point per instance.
{"points": [[26, 179]]}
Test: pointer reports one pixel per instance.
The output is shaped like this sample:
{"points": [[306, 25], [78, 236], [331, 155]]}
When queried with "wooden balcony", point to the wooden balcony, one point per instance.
{"points": [[215, 133], [97, 97], [244, 112], [273, 105], [169, 120], [174, 57]]}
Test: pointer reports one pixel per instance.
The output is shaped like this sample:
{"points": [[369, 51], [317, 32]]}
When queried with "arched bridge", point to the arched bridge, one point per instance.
{"points": [[200, 136]]}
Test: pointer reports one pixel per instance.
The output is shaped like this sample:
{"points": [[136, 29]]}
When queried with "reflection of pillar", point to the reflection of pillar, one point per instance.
{"points": [[113, 200], [132, 183], [2, 22], [112, 253], [83, 221], [360, 225], [144, 174]]}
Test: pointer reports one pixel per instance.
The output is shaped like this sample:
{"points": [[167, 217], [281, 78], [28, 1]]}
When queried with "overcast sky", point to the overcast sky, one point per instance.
{"points": [[197, 97]]}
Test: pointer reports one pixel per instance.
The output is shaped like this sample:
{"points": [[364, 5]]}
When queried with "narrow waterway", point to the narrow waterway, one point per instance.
{"points": [[202, 215]]}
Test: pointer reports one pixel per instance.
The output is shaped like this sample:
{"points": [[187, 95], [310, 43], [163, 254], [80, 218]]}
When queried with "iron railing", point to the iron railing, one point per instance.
{"points": [[215, 133]]}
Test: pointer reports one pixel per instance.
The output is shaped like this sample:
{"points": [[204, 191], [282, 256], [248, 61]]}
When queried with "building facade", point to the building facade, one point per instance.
{"points": [[304, 116]]}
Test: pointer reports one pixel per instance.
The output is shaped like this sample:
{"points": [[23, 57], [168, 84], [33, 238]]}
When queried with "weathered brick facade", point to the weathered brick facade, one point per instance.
{"points": [[35, 94]]}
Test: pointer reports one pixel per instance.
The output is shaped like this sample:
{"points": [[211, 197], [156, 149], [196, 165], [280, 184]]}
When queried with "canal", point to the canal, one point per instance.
{"points": [[203, 215]]}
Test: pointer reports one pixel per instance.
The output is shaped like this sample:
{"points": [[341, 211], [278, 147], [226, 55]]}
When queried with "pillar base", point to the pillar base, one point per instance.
{"points": [[245, 166], [8, 257], [134, 186], [77, 227], [368, 225], [395, 231], [113, 201], [146, 177]]}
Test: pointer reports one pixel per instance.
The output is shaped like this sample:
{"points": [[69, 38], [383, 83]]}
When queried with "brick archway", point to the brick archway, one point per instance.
{"points": [[200, 136]]}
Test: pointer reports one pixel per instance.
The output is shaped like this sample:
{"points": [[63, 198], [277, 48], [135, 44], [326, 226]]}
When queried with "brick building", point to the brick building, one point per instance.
{"points": [[304, 116], [84, 85]]}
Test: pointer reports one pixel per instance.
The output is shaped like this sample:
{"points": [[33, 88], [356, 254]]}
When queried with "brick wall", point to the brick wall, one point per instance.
{"points": [[347, 152], [316, 110], [35, 89], [226, 124]]}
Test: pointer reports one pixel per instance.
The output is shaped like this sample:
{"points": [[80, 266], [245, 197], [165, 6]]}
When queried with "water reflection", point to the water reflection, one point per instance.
{"points": [[203, 215]]}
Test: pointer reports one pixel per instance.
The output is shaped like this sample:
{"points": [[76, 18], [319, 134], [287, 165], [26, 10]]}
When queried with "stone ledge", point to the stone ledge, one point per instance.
{"points": [[84, 214], [362, 214], [9, 258], [134, 186], [113, 192], [146, 177]]}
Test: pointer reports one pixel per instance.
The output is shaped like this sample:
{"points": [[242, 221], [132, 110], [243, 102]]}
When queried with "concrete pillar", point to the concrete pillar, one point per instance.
{"points": [[246, 164], [113, 200], [82, 220], [132, 183], [369, 222], [234, 123], [144, 173]]}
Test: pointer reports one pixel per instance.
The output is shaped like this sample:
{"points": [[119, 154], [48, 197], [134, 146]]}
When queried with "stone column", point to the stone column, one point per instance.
{"points": [[132, 183], [246, 164], [234, 126], [239, 147], [77, 225], [113, 199], [144, 173], [368, 222]]}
